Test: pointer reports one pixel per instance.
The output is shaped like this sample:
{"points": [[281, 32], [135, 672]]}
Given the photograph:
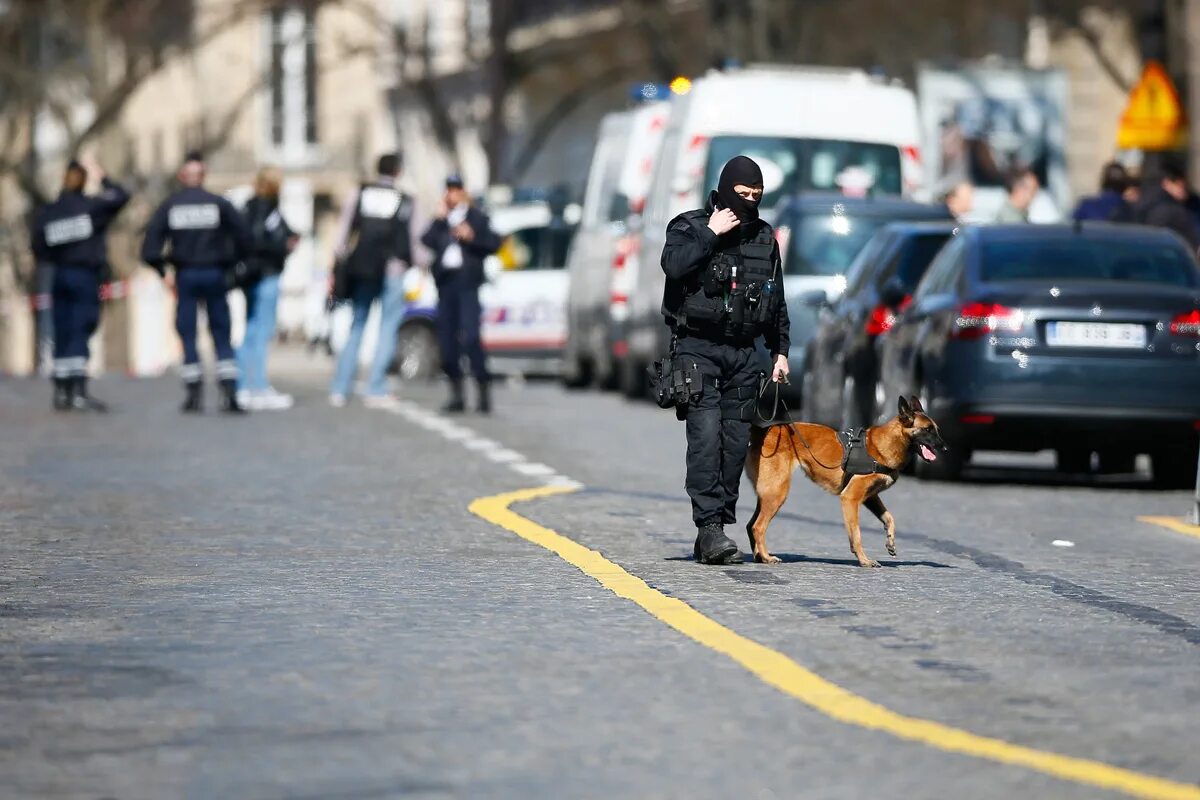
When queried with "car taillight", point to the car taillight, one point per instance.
{"points": [[1187, 324], [880, 320], [979, 319]]}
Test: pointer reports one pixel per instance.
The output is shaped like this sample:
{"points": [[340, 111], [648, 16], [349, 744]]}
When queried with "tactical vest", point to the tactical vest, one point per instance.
{"points": [[381, 222], [737, 292]]}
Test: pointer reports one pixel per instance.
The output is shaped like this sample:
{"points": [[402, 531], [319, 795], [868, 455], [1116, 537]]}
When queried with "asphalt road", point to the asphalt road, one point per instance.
{"points": [[307, 605]]}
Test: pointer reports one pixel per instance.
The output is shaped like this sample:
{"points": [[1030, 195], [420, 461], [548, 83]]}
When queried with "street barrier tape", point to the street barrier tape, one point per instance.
{"points": [[777, 670]]}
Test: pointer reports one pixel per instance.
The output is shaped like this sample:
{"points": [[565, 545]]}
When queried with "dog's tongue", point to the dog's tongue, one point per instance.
{"points": [[928, 454]]}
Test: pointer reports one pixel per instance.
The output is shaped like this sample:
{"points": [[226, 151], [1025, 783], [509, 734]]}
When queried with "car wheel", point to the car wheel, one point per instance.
{"points": [[878, 413], [808, 392], [1074, 460], [950, 463], [417, 353], [1174, 468], [1118, 462]]}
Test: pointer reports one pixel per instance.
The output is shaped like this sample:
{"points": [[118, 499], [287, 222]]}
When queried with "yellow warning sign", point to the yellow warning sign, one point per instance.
{"points": [[1154, 118]]}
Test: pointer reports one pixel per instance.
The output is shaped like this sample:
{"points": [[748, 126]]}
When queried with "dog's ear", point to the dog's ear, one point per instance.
{"points": [[915, 402], [905, 412]]}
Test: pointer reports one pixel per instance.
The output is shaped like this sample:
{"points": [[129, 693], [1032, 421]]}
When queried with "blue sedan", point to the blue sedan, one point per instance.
{"points": [[1080, 339]]}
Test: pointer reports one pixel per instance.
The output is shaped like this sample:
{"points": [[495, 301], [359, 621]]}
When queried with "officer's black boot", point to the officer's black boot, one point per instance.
{"points": [[455, 405], [714, 547], [485, 397], [62, 394], [229, 401], [192, 403], [81, 400]]}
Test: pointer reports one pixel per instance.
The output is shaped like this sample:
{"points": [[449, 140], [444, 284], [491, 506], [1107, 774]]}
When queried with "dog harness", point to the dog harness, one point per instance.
{"points": [[857, 461]]}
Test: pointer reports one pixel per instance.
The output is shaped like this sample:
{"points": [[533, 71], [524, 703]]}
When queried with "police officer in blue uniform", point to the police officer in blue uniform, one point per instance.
{"points": [[68, 237], [206, 236], [724, 289], [461, 237]]}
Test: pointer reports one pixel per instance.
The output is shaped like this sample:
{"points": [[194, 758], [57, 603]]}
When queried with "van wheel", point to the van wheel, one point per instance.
{"points": [[1117, 462], [1174, 468], [576, 372], [633, 382], [1073, 460], [417, 353]]}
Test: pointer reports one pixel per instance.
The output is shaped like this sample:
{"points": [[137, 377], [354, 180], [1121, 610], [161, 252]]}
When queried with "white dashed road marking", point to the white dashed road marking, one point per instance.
{"points": [[488, 448]]}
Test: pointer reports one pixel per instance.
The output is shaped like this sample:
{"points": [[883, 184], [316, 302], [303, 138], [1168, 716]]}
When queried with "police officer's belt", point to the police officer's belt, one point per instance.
{"points": [[857, 461]]}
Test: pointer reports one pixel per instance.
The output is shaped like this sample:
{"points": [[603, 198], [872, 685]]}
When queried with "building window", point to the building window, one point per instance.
{"points": [[293, 78]]}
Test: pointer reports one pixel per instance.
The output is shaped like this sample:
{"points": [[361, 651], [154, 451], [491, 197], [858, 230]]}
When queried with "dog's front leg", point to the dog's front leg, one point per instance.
{"points": [[851, 500], [875, 504]]}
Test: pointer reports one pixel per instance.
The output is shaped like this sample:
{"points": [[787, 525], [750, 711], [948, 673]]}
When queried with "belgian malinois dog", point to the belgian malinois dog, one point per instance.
{"points": [[775, 452]]}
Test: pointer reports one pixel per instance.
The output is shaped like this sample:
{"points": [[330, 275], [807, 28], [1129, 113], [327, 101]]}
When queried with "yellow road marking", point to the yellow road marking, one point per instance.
{"points": [[779, 671], [1174, 523]]}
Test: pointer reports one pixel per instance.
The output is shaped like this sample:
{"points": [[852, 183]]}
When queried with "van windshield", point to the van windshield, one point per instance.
{"points": [[793, 165]]}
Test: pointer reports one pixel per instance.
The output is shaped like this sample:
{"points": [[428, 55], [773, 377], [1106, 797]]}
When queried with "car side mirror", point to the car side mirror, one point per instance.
{"points": [[815, 298], [893, 293]]}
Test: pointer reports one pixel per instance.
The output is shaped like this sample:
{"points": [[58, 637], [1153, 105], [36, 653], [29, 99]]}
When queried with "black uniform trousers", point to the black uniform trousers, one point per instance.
{"points": [[718, 424], [76, 310], [458, 323], [193, 286]]}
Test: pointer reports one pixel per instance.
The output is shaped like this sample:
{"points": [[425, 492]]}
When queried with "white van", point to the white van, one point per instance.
{"points": [[809, 128], [601, 263]]}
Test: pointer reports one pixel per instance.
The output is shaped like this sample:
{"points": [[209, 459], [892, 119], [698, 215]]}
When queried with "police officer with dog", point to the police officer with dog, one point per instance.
{"points": [[724, 289], [206, 236], [68, 237]]}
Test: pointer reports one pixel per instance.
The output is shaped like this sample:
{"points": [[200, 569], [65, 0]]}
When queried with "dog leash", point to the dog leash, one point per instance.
{"points": [[774, 420]]}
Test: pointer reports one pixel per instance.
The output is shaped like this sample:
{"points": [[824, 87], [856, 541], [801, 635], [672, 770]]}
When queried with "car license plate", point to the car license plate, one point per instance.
{"points": [[1095, 334]]}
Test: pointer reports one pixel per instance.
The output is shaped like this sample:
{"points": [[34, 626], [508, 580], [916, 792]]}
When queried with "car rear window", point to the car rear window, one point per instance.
{"points": [[918, 252], [825, 244], [1088, 259]]}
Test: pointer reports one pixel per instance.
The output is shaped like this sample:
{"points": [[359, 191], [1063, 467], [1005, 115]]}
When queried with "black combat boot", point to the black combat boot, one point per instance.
{"points": [[485, 398], [192, 403], [229, 401], [62, 394], [81, 400], [714, 547], [455, 405]]}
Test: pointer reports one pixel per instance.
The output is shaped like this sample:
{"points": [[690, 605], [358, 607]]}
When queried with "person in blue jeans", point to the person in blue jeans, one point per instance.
{"points": [[273, 241], [374, 245]]}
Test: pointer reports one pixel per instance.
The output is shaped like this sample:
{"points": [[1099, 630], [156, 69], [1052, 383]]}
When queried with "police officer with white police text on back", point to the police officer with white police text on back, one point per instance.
{"points": [[207, 236], [68, 237], [724, 289]]}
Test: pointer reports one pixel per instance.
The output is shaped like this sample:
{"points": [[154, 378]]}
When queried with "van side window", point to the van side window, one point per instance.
{"points": [[944, 272]]}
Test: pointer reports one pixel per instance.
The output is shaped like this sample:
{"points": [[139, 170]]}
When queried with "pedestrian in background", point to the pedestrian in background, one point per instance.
{"points": [[374, 248], [1163, 206], [272, 241], [461, 237], [205, 235], [1022, 186], [1109, 205], [69, 238], [716, 259], [960, 200]]}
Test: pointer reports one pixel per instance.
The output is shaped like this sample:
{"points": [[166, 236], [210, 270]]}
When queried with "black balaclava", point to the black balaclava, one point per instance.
{"points": [[743, 170]]}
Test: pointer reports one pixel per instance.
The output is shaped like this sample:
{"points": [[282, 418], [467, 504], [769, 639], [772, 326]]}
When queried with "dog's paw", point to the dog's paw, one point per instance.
{"points": [[870, 562], [766, 558], [891, 548]]}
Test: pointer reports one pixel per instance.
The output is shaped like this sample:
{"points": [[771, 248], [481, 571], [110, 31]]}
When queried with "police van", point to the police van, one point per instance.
{"points": [[808, 128], [603, 260]]}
